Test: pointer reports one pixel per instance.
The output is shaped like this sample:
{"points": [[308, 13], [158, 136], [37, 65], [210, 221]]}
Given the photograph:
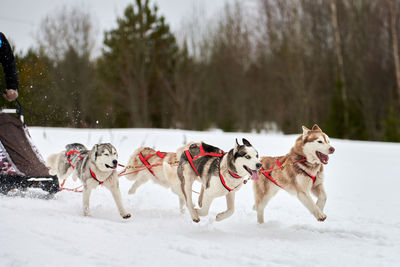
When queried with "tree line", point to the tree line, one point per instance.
{"points": [[277, 65]]}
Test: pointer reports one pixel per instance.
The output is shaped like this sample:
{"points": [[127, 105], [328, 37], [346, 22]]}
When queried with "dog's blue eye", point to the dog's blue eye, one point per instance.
{"points": [[247, 157]]}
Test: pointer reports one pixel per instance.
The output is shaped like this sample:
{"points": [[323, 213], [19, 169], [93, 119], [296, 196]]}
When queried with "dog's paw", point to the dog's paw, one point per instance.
{"points": [[127, 216], [86, 211], [182, 210], [321, 217], [195, 215]]}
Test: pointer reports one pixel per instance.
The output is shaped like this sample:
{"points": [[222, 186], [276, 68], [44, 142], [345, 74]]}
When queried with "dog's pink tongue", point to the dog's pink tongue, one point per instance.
{"points": [[254, 175], [326, 159]]}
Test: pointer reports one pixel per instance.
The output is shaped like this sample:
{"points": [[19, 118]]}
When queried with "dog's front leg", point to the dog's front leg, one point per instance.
{"points": [[307, 201], [113, 186], [86, 199], [230, 202], [319, 192]]}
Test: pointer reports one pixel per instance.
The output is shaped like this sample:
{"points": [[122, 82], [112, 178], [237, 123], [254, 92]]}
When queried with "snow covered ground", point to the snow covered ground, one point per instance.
{"points": [[362, 228]]}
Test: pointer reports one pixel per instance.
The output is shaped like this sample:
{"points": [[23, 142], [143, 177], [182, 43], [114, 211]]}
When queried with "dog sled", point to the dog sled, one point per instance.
{"points": [[21, 165]]}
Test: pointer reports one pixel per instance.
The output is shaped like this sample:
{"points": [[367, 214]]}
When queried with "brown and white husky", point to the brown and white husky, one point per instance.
{"points": [[300, 172]]}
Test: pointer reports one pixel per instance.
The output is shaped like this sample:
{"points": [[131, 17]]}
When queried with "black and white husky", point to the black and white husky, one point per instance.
{"points": [[221, 174], [93, 167]]}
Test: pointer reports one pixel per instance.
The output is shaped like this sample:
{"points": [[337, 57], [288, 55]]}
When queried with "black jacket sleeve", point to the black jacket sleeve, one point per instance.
{"points": [[8, 63]]}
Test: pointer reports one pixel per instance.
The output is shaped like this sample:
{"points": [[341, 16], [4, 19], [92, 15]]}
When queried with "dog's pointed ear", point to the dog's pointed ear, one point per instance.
{"points": [[236, 146], [94, 153], [316, 128], [245, 142], [305, 130]]}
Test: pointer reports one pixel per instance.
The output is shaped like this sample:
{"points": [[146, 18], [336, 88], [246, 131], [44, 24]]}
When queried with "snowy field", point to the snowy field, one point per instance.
{"points": [[362, 228]]}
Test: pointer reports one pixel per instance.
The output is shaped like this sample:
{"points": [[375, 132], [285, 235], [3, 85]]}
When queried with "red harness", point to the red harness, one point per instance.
{"points": [[144, 160], [219, 155], [95, 177], [80, 157], [223, 180], [202, 153], [69, 154], [268, 173], [280, 167]]}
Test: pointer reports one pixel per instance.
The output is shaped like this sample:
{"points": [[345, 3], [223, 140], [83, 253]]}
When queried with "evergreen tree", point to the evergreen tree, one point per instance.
{"points": [[138, 62], [74, 83], [35, 92]]}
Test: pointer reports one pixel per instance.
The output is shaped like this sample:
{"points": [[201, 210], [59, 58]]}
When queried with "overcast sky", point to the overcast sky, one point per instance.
{"points": [[20, 19]]}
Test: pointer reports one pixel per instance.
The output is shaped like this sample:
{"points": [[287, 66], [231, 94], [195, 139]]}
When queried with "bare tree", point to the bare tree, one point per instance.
{"points": [[66, 37], [66, 28], [340, 62], [395, 46], [193, 29]]}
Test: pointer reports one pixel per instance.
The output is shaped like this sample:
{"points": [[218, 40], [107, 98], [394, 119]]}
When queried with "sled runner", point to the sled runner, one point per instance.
{"points": [[21, 165]]}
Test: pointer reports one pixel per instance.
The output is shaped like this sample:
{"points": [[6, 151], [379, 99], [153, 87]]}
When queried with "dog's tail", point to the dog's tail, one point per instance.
{"points": [[51, 163]]}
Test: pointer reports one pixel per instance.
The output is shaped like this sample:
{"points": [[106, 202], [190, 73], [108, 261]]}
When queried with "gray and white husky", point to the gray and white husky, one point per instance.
{"points": [[221, 174], [93, 167]]}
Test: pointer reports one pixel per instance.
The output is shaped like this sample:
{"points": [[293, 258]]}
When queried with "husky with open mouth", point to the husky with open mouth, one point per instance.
{"points": [[94, 167], [220, 173], [300, 172]]}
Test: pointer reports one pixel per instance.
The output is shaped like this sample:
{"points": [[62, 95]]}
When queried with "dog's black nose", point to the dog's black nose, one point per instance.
{"points": [[331, 150], [115, 162], [258, 165]]}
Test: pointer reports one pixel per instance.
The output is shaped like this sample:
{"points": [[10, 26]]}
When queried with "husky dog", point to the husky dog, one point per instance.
{"points": [[299, 172], [161, 167], [93, 167], [221, 174]]}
